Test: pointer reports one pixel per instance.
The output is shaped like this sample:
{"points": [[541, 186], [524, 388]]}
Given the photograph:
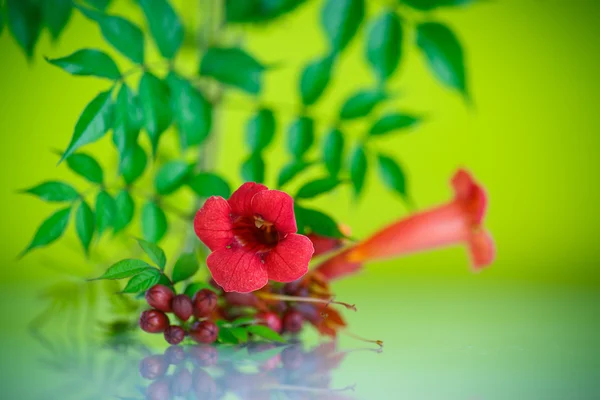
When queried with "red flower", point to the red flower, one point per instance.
{"points": [[253, 238]]}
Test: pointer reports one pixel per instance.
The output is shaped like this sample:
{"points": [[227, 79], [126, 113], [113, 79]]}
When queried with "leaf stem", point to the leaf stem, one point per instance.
{"points": [[282, 297]]}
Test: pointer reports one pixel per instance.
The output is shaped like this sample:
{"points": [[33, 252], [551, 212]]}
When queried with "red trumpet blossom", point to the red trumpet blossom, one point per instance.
{"points": [[459, 221], [253, 238]]}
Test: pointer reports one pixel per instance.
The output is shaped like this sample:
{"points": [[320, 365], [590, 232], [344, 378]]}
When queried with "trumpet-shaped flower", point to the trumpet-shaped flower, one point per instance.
{"points": [[253, 238]]}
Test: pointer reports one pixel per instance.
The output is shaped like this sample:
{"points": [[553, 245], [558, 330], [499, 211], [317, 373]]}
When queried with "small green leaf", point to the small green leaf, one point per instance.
{"points": [[171, 176], [301, 136], [314, 79], [225, 336], [165, 26], [193, 288], [291, 170], [54, 191], [154, 222], [98, 4], [50, 230], [25, 23], [191, 111], [240, 333], [127, 121], [86, 166], [317, 187], [106, 211], [333, 150], [56, 15], [239, 11], [361, 104], [206, 184], [316, 222], [358, 169], [1, 18], [392, 175], [393, 122], [253, 169], [88, 62], [444, 54], [134, 164], [185, 267], [260, 130], [156, 254], [122, 34], [265, 333], [85, 225], [234, 67], [125, 209], [126, 268], [341, 20], [154, 96], [93, 123], [143, 281], [384, 45], [428, 5]]}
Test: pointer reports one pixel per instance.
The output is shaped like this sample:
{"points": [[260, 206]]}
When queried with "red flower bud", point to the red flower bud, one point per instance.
{"points": [[181, 382], [174, 334], [154, 321], [204, 332], [292, 321], [205, 355], [182, 307], [160, 297], [269, 319], [174, 354], [204, 303], [158, 390], [153, 367]]}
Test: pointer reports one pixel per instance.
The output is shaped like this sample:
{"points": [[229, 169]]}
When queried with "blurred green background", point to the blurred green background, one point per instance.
{"points": [[527, 325]]}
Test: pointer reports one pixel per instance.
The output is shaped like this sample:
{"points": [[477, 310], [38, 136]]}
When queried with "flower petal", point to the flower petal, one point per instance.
{"points": [[339, 266], [237, 270], [470, 195], [482, 249], [212, 223], [289, 260], [276, 207], [241, 200]]}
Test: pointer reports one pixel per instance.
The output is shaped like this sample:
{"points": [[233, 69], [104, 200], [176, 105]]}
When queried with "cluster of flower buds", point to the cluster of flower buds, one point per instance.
{"points": [[163, 301]]}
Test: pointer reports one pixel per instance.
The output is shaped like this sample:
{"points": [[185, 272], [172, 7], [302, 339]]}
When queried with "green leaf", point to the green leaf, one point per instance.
{"points": [[225, 336], [253, 169], [86, 166], [314, 79], [25, 23], [234, 67], [50, 230], [317, 187], [260, 130], [143, 281], [239, 11], [56, 15], [393, 122], [125, 207], [85, 225], [156, 254], [106, 211], [358, 169], [265, 332], [341, 20], [93, 123], [127, 122], [191, 111], [171, 176], [301, 136], [1, 17], [444, 54], [98, 4], [240, 333], [317, 222], [384, 45], [333, 150], [361, 104], [291, 170], [88, 62], [165, 26], [154, 96], [428, 5], [154, 222], [134, 164], [54, 191], [392, 175], [123, 35], [193, 288], [185, 267], [126, 268], [206, 184]]}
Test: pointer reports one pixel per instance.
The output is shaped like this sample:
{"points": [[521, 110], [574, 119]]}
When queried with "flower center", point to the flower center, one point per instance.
{"points": [[256, 233]]}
